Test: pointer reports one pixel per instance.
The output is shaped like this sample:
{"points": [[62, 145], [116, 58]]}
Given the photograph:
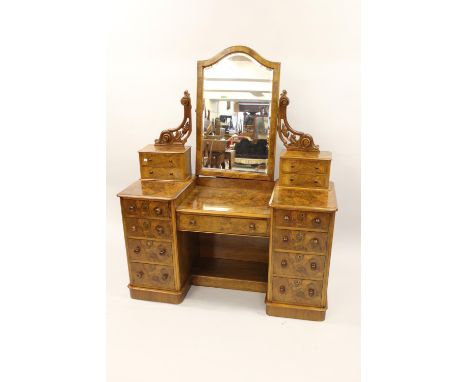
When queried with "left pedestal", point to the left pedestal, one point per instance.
{"points": [[156, 271]]}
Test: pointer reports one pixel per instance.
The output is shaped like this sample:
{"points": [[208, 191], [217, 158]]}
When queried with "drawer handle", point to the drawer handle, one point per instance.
{"points": [[291, 179], [160, 229], [137, 249], [313, 266], [285, 238], [317, 221], [282, 289], [171, 173], [311, 292], [139, 274], [146, 225], [252, 226], [131, 208], [148, 159], [165, 276], [315, 181], [315, 241], [286, 218], [149, 243], [284, 263], [133, 228], [158, 211], [162, 252], [192, 221], [151, 172]]}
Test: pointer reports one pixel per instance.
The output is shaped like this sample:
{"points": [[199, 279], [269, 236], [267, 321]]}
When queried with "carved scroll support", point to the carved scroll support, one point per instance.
{"points": [[179, 135], [292, 139]]}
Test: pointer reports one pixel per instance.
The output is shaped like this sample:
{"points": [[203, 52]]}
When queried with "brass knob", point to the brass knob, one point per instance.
{"points": [[311, 292], [313, 266], [315, 240], [165, 276], [137, 249], [158, 211], [317, 221], [131, 208], [192, 221], [286, 218], [162, 252], [285, 238], [284, 263], [139, 274], [133, 228], [252, 225], [282, 289], [159, 229]]}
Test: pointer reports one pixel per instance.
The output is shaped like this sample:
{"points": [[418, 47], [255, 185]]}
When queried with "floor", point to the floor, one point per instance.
{"points": [[225, 335]]}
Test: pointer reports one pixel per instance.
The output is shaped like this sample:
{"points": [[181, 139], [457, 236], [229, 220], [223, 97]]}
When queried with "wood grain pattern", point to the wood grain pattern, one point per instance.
{"points": [[150, 251], [156, 189], [298, 265], [165, 163], [310, 220], [295, 311], [145, 209], [159, 295], [304, 166], [297, 291], [152, 276], [306, 241], [148, 228], [304, 180]]}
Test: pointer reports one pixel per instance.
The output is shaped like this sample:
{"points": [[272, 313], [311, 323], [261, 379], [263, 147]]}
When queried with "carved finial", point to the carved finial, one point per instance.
{"points": [[179, 135], [292, 139]]}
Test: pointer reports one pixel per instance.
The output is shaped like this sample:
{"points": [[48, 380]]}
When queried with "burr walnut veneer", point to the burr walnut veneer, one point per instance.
{"points": [[232, 230]]}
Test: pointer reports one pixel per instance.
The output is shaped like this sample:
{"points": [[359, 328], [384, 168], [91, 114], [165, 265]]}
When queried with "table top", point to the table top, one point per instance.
{"points": [[156, 189]]}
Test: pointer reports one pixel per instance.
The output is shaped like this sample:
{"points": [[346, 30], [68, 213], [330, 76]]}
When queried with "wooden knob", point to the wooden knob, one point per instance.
{"points": [[165, 276], [285, 238], [149, 243], [311, 292], [284, 263], [171, 173], [162, 252], [137, 249], [151, 172], [252, 225], [158, 211], [159, 229], [286, 218], [315, 240], [149, 159], [282, 289], [313, 265], [132, 208], [192, 222], [133, 228], [139, 274], [317, 221]]}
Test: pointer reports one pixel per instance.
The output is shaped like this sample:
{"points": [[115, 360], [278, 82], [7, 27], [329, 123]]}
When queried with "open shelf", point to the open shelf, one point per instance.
{"points": [[230, 274]]}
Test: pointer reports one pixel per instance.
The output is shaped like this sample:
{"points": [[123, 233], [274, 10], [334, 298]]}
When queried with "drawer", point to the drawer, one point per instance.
{"points": [[162, 160], [304, 180], [304, 166], [305, 241], [161, 173], [219, 224], [297, 291], [298, 265], [149, 251], [157, 229], [311, 220], [152, 276], [145, 208]]}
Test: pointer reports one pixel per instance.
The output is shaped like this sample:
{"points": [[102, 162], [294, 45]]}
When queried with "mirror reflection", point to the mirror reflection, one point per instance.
{"points": [[236, 114]]}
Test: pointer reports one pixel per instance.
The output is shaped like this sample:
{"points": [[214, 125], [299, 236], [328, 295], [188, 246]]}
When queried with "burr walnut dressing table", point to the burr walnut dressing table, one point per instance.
{"points": [[232, 225]]}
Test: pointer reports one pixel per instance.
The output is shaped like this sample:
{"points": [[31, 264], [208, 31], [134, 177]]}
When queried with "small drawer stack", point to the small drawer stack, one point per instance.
{"points": [[305, 169], [300, 248], [165, 162], [149, 242]]}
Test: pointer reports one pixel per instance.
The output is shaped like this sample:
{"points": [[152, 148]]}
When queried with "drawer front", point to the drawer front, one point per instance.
{"points": [[157, 229], [240, 226], [311, 220], [297, 291], [304, 166], [150, 251], [177, 173], [162, 160], [298, 265], [304, 180], [145, 208], [152, 276], [306, 241]]}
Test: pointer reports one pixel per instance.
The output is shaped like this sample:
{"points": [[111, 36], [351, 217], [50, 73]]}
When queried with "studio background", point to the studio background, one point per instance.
{"points": [[219, 334]]}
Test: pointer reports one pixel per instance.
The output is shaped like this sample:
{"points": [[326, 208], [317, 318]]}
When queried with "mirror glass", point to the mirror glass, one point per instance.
{"points": [[237, 93]]}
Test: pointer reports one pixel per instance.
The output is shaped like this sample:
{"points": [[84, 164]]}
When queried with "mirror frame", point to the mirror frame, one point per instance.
{"points": [[275, 66]]}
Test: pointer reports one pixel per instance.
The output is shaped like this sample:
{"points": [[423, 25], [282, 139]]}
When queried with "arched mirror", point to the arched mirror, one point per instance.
{"points": [[237, 105]]}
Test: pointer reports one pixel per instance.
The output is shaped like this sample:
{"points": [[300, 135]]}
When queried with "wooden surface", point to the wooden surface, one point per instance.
{"points": [[297, 291], [149, 251], [230, 274], [304, 199], [152, 276], [155, 190], [295, 311], [165, 163], [275, 66], [298, 265], [167, 296], [306, 155]]}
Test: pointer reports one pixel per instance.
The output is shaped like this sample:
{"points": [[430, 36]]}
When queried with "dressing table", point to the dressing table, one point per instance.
{"points": [[231, 225]]}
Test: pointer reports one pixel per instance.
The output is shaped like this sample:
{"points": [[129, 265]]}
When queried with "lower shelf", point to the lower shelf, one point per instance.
{"points": [[230, 274]]}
